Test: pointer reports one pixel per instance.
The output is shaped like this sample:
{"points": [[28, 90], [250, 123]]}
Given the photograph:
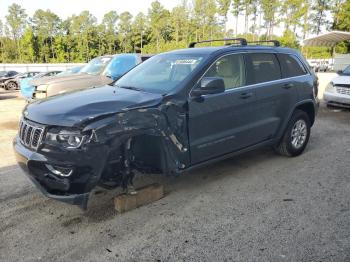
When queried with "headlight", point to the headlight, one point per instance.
{"points": [[42, 88], [70, 139], [330, 88]]}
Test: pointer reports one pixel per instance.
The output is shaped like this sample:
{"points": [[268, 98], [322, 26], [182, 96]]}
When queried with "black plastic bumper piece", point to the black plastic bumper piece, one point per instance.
{"points": [[24, 155]]}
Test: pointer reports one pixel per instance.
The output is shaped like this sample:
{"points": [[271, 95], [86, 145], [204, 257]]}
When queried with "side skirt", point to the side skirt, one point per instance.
{"points": [[270, 142]]}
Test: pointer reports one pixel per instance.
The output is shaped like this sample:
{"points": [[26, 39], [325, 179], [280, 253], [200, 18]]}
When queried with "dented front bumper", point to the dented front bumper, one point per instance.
{"points": [[73, 189]]}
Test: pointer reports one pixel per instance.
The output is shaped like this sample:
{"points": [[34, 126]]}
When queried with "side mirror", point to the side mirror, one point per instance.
{"points": [[209, 86], [340, 72]]}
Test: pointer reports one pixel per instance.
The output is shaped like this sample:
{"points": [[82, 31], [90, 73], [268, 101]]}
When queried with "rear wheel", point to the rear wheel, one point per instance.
{"points": [[11, 85], [296, 135]]}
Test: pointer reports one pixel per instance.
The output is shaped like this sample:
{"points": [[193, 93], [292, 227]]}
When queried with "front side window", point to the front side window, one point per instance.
{"points": [[291, 66], [160, 73], [265, 67], [231, 69]]}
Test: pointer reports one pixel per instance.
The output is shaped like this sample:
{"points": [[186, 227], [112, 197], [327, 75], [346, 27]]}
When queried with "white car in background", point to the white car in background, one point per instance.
{"points": [[337, 92]]}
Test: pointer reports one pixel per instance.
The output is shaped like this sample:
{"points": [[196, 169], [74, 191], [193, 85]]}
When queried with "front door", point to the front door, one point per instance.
{"points": [[222, 123]]}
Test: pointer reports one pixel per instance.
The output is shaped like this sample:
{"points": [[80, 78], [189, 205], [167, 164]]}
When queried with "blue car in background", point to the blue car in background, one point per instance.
{"points": [[27, 89]]}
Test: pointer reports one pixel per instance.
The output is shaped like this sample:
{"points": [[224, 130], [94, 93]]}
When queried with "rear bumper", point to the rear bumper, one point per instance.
{"points": [[336, 99], [63, 189]]}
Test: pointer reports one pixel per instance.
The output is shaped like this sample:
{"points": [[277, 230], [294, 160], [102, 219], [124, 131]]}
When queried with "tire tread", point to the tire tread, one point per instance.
{"points": [[282, 147]]}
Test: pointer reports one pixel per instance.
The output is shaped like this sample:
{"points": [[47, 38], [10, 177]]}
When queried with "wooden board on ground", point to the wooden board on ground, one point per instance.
{"points": [[145, 195]]}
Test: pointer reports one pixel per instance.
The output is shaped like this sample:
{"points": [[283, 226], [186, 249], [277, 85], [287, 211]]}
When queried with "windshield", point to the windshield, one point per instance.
{"points": [[346, 71], [39, 75], [71, 71], [119, 65], [95, 66], [2, 73], [22, 75], [160, 73]]}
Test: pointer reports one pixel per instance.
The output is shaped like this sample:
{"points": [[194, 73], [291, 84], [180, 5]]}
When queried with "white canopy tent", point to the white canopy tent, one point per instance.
{"points": [[330, 39]]}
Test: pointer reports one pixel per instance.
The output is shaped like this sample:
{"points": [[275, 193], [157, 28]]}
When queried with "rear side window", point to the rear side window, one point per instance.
{"points": [[265, 67], [291, 66]]}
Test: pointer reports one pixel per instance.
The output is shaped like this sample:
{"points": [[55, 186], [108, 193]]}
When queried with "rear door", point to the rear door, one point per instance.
{"points": [[222, 123], [294, 71], [275, 93]]}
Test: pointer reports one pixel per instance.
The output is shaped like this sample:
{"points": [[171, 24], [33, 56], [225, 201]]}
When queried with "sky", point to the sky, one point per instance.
{"points": [[66, 8]]}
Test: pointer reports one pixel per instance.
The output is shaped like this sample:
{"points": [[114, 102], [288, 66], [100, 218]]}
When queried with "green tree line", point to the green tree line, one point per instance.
{"points": [[45, 37]]}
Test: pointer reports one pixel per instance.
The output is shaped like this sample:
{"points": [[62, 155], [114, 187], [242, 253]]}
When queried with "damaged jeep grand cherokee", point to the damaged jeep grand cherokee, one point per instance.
{"points": [[175, 112]]}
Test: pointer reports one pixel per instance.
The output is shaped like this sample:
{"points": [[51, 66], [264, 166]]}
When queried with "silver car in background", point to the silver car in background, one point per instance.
{"points": [[337, 92]]}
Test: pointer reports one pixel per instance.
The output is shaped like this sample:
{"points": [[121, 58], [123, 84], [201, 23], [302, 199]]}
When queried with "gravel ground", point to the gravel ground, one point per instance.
{"points": [[255, 207]]}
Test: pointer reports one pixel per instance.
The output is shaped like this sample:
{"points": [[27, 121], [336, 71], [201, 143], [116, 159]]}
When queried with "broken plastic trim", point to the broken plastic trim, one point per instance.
{"points": [[56, 171]]}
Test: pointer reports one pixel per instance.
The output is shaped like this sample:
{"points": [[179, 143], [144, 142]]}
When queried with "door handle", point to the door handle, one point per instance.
{"points": [[287, 86], [246, 95]]}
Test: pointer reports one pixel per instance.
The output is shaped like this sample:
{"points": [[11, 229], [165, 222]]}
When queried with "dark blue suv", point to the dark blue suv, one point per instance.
{"points": [[175, 112]]}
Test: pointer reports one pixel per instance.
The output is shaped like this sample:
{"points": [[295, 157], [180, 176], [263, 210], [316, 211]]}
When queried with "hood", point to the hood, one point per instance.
{"points": [[341, 80], [42, 79], [74, 108], [60, 79]]}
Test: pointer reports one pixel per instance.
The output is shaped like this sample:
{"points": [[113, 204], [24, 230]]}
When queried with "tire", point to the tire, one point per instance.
{"points": [[11, 85], [290, 145]]}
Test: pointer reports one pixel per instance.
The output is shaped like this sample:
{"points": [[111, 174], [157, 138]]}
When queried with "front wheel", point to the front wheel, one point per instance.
{"points": [[11, 85], [296, 135]]}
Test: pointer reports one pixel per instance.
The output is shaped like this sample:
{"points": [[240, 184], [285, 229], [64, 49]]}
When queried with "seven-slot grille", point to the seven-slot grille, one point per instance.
{"points": [[30, 134], [343, 89]]}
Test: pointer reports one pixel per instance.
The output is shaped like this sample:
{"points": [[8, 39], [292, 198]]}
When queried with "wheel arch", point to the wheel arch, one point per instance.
{"points": [[309, 109], [308, 106]]}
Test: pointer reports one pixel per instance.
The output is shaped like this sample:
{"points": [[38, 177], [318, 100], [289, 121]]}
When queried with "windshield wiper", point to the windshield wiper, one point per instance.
{"points": [[130, 87]]}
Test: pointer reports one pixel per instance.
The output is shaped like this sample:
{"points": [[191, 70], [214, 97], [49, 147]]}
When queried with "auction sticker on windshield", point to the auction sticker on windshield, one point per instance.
{"points": [[185, 62]]}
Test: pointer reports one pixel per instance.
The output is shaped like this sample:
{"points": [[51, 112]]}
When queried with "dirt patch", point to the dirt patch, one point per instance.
{"points": [[11, 125], [72, 221]]}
